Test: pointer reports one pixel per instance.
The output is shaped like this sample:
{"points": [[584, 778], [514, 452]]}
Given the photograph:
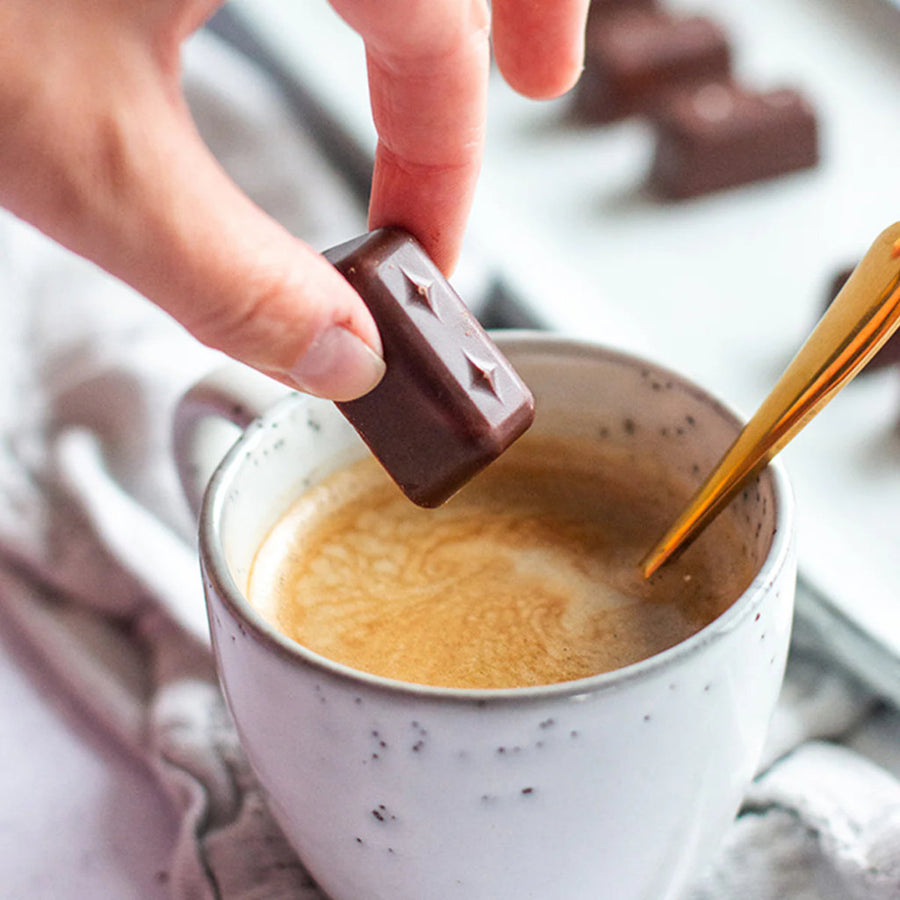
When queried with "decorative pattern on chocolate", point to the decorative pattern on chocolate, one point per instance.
{"points": [[633, 57], [720, 135], [483, 375], [449, 402], [422, 290]]}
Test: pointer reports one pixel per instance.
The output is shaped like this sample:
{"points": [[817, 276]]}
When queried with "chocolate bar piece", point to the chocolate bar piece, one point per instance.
{"points": [[449, 402], [719, 135], [600, 8], [634, 56], [837, 283], [889, 354]]}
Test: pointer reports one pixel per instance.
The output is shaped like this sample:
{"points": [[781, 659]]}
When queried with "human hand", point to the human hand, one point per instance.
{"points": [[98, 150]]}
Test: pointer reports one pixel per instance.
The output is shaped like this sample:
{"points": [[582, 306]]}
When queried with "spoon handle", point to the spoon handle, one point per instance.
{"points": [[855, 326]]}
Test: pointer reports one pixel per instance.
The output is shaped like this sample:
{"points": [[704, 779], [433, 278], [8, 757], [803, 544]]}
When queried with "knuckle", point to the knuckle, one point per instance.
{"points": [[259, 320]]}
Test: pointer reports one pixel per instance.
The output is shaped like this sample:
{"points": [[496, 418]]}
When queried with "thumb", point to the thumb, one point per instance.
{"points": [[123, 178], [239, 282]]}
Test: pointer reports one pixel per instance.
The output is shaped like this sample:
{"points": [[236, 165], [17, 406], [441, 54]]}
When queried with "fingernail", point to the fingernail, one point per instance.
{"points": [[338, 365]]}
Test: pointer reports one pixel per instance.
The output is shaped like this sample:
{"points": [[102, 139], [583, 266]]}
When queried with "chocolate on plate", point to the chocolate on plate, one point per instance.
{"points": [[889, 354], [719, 135], [449, 402], [635, 55]]}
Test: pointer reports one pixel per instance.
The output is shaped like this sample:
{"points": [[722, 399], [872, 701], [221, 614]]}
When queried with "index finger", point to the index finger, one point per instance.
{"points": [[428, 70]]}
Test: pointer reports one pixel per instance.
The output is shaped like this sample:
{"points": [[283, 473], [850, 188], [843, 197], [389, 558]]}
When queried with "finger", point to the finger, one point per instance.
{"points": [[241, 283], [428, 66], [244, 285], [539, 46], [116, 172], [172, 20]]}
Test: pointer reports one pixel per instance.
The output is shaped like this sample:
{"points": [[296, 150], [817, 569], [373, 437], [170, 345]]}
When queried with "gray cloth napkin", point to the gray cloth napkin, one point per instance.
{"points": [[98, 564]]}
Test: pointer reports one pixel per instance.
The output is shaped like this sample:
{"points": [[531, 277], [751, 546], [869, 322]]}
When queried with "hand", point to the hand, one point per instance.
{"points": [[98, 150]]}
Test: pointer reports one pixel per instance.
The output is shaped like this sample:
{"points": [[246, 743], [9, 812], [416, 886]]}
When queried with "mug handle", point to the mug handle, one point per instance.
{"points": [[207, 417]]}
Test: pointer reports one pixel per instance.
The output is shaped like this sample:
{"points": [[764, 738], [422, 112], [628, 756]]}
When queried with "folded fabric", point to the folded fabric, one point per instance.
{"points": [[98, 563], [823, 822]]}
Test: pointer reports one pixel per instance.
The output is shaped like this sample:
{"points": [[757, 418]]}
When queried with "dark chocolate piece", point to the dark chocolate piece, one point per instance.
{"points": [[449, 402], [889, 354], [719, 135], [600, 8], [634, 56], [837, 283]]}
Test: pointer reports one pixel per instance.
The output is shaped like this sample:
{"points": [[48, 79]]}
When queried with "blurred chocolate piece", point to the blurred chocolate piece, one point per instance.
{"points": [[635, 55], [837, 283], [889, 354], [599, 8], [449, 402], [719, 135]]}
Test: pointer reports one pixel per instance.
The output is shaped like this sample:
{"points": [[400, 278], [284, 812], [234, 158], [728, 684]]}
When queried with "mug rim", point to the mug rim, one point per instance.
{"points": [[216, 569]]}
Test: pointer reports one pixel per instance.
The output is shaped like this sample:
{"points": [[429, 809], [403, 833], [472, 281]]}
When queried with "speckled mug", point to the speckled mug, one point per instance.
{"points": [[617, 786]]}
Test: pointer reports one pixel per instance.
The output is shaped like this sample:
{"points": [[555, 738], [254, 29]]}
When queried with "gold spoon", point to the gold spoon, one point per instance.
{"points": [[857, 323]]}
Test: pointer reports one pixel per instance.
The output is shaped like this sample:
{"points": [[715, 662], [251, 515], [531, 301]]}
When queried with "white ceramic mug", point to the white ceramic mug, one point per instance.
{"points": [[617, 786]]}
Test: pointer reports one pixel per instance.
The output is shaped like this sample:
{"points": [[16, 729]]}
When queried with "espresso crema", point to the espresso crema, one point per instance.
{"points": [[528, 576]]}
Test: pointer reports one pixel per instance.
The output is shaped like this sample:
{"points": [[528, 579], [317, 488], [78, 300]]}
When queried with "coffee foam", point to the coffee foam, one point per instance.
{"points": [[528, 576]]}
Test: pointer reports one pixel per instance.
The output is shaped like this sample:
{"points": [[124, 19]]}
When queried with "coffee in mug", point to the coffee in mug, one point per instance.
{"points": [[620, 784], [527, 576]]}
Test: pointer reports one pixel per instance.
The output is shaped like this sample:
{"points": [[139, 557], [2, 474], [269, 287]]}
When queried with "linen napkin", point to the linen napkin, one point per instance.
{"points": [[98, 563]]}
